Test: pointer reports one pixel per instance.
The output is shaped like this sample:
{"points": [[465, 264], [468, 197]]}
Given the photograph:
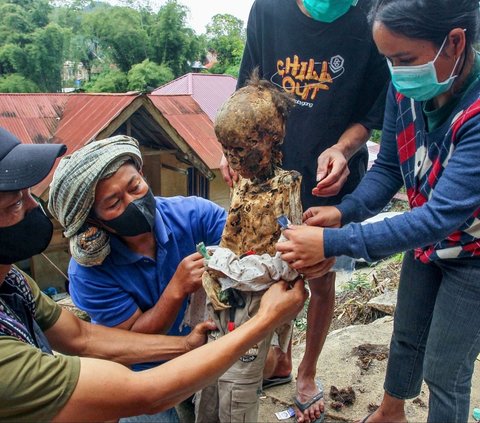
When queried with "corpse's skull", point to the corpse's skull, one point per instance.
{"points": [[250, 126]]}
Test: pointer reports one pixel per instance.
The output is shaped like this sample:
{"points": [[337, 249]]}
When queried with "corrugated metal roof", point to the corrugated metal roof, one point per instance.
{"points": [[85, 115], [209, 90], [76, 119], [33, 118], [71, 119], [192, 124]]}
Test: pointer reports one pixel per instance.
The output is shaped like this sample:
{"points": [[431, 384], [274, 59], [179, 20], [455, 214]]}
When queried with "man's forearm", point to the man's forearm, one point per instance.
{"points": [[202, 366], [113, 344], [160, 318], [160, 388], [352, 139]]}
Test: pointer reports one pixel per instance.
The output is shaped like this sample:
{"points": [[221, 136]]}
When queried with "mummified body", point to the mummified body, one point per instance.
{"points": [[255, 205], [250, 126]]}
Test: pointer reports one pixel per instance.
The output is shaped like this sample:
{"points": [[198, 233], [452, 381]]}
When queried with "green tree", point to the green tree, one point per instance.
{"points": [[111, 81], [15, 83], [226, 36], [38, 11], [147, 76], [14, 24], [45, 57], [119, 30], [13, 59], [233, 70], [29, 44], [173, 42]]}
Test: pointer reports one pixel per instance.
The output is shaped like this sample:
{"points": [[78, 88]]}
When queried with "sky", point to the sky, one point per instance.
{"points": [[201, 11]]}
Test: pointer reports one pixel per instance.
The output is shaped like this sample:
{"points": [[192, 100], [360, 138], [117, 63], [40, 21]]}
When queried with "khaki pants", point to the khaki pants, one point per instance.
{"points": [[234, 398]]}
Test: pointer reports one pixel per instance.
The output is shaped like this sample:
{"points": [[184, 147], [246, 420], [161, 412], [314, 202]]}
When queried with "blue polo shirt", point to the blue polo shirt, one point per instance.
{"points": [[111, 292]]}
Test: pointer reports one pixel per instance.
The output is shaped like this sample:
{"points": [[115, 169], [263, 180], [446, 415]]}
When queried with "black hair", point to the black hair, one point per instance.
{"points": [[283, 101], [429, 20]]}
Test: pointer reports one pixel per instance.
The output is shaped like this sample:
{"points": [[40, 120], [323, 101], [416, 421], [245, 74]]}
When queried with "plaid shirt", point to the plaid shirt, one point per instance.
{"points": [[422, 163]]}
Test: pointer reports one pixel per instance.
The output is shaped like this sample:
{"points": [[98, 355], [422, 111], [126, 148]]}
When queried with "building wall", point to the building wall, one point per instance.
{"points": [[47, 275], [166, 175], [220, 191]]}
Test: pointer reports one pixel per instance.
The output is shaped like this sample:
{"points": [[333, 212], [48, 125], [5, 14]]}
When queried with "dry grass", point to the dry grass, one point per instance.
{"points": [[351, 304]]}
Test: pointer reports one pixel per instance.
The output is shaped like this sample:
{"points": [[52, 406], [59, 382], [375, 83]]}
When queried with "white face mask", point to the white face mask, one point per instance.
{"points": [[420, 82]]}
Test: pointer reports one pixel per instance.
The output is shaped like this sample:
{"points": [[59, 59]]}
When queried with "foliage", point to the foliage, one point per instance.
{"points": [[226, 36], [376, 136], [398, 258], [301, 320], [147, 76], [110, 81], [120, 32], [12, 58], [358, 281], [46, 57], [30, 45], [38, 36], [173, 43], [15, 83]]}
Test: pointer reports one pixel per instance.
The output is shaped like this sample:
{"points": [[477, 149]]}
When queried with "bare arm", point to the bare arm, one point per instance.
{"points": [[332, 169], [352, 139], [73, 336], [160, 318], [160, 388], [228, 174]]}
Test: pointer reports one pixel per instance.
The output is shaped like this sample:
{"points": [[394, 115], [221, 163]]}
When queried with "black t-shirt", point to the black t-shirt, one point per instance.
{"points": [[334, 70]]}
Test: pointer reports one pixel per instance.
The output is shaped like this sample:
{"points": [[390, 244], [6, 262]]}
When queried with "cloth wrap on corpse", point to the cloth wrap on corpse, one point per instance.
{"points": [[251, 273]]}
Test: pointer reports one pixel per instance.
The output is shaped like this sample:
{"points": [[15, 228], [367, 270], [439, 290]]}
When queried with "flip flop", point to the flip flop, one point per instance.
{"points": [[275, 381], [364, 420], [302, 406]]}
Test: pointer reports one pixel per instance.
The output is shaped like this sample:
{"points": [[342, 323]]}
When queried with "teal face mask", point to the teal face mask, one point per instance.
{"points": [[328, 10], [420, 82]]}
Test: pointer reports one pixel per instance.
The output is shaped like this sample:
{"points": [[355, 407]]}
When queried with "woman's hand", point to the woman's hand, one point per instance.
{"points": [[304, 247], [326, 217]]}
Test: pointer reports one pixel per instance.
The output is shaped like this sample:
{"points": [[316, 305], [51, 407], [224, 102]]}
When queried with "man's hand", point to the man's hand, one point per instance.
{"points": [[326, 217], [198, 336], [280, 304], [332, 173], [228, 175], [188, 277], [304, 247]]}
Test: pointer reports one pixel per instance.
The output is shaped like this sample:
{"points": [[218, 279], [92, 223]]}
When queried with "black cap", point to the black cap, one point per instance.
{"points": [[25, 165]]}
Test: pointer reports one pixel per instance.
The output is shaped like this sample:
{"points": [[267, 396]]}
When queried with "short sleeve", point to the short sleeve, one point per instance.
{"points": [[104, 300], [35, 386], [212, 221], [47, 311]]}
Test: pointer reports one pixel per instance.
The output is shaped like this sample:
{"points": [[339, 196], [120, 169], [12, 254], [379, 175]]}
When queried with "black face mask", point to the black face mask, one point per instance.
{"points": [[26, 238], [138, 218]]}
